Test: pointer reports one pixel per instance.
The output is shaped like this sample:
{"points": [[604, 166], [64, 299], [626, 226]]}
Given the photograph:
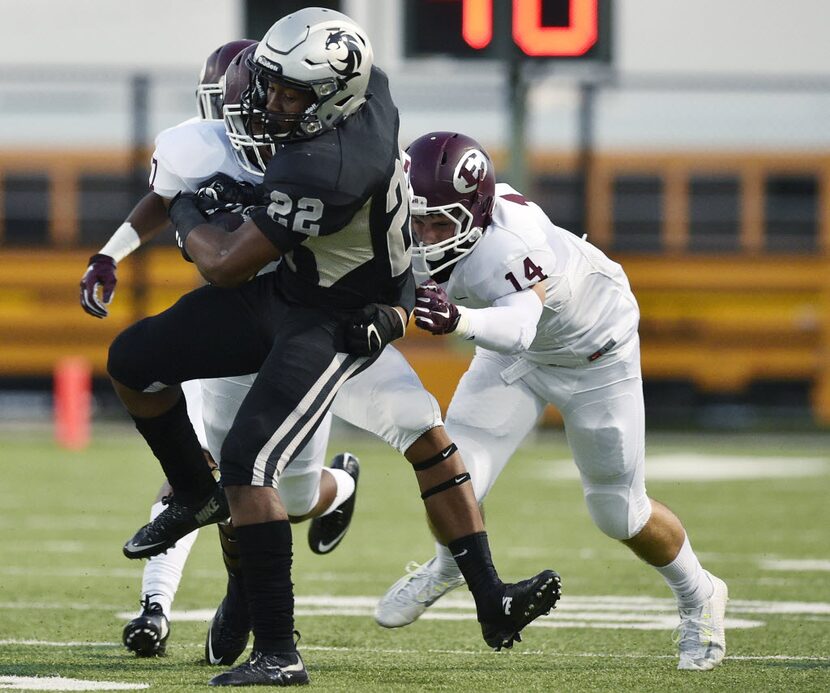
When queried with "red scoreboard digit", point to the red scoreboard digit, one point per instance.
{"points": [[560, 29]]}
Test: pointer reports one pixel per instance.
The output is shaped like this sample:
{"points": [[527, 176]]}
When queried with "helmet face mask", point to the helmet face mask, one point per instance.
{"points": [[316, 51], [251, 148], [278, 125], [450, 174], [210, 89], [210, 101], [252, 152], [442, 254]]}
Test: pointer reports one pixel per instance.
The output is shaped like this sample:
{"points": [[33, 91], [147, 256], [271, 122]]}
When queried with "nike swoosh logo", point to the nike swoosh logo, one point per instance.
{"points": [[459, 555], [459, 298], [140, 547], [294, 667], [446, 453], [211, 656], [445, 314], [325, 547]]}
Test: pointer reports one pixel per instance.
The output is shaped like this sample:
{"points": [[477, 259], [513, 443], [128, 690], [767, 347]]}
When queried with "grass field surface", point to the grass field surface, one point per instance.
{"points": [[756, 508]]}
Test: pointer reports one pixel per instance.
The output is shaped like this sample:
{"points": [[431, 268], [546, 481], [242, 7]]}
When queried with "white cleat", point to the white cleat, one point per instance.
{"points": [[700, 637], [409, 597]]}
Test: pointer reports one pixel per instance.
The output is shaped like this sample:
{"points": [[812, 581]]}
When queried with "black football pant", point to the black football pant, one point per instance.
{"points": [[214, 332]]}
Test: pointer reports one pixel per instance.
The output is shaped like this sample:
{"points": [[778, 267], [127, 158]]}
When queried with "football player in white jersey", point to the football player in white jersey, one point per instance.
{"points": [[554, 321], [186, 155]]}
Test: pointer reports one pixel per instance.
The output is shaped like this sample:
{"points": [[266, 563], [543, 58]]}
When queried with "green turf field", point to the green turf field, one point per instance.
{"points": [[756, 508]]}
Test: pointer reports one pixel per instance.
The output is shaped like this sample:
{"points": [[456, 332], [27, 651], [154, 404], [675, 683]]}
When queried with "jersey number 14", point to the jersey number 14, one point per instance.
{"points": [[532, 271]]}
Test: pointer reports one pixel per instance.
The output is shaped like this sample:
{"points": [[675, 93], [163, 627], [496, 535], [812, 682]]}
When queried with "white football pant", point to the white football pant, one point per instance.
{"points": [[500, 398]]}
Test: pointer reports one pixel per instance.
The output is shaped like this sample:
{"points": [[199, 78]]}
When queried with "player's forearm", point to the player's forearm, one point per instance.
{"points": [[146, 220], [406, 296], [507, 328], [216, 256]]}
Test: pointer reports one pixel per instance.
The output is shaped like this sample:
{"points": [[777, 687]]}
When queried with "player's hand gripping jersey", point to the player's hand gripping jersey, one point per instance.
{"points": [[338, 210]]}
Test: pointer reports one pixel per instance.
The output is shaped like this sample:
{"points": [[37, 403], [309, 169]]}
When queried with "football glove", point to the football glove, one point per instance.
{"points": [[99, 275], [221, 192], [372, 329], [433, 310]]}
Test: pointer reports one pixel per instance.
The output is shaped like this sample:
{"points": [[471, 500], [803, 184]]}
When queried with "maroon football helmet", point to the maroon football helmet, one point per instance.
{"points": [[251, 146], [451, 174], [209, 89]]}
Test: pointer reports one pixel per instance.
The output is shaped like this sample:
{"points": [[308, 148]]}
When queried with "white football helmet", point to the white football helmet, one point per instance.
{"points": [[317, 50]]}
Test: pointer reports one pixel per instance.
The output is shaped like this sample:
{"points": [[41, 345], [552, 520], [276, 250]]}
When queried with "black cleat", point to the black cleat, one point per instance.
{"points": [[146, 635], [522, 603], [175, 522], [285, 669], [326, 532], [230, 628]]}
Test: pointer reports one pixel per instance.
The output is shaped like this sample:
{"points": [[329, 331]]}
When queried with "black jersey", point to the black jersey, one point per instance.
{"points": [[339, 211]]}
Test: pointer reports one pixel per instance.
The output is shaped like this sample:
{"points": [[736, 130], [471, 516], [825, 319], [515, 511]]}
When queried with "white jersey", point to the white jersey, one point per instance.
{"points": [[589, 308], [190, 153]]}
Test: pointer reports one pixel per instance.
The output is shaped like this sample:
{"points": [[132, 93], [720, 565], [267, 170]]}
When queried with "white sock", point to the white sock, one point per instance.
{"points": [[163, 573], [446, 563], [345, 488], [686, 578]]}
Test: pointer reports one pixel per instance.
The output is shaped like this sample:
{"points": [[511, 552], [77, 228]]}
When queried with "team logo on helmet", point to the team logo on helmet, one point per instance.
{"points": [[471, 168], [349, 57]]}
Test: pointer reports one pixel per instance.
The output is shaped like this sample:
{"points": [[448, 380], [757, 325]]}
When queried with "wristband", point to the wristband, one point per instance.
{"points": [[124, 241], [185, 216], [463, 327]]}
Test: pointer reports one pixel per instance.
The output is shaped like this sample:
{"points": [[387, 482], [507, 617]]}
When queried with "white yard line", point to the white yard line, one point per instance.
{"points": [[601, 611], [586, 608], [59, 683], [413, 651], [803, 565]]}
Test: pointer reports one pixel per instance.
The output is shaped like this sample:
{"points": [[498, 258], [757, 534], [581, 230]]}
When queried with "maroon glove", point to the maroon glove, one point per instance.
{"points": [[433, 310], [100, 273]]}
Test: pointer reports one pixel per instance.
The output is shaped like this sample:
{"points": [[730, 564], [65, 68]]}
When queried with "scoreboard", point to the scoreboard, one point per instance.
{"points": [[550, 29]]}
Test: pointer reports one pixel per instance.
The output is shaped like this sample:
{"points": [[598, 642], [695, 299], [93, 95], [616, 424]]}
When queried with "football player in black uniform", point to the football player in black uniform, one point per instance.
{"points": [[337, 214]]}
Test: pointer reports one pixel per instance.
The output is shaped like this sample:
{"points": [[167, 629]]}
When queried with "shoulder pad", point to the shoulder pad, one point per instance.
{"points": [[314, 164], [192, 151]]}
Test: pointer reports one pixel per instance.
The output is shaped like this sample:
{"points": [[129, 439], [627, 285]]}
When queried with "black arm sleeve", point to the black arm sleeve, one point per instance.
{"points": [[406, 297]]}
